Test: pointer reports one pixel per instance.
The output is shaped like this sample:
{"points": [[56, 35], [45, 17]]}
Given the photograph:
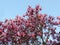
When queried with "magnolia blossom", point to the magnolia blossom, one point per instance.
{"points": [[36, 29], [58, 17]]}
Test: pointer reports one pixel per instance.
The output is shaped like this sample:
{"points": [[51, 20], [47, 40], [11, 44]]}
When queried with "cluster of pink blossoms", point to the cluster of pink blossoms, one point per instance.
{"points": [[36, 29]]}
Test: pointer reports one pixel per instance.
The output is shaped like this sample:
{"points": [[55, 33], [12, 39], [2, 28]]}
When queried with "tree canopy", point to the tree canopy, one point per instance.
{"points": [[36, 29]]}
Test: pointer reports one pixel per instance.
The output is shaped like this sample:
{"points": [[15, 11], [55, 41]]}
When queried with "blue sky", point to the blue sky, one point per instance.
{"points": [[10, 8]]}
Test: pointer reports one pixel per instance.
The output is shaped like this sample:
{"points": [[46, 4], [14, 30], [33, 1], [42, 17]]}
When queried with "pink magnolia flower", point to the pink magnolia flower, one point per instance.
{"points": [[58, 17]]}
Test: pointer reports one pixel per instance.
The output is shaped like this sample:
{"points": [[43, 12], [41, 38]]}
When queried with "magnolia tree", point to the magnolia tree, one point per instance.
{"points": [[36, 29]]}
